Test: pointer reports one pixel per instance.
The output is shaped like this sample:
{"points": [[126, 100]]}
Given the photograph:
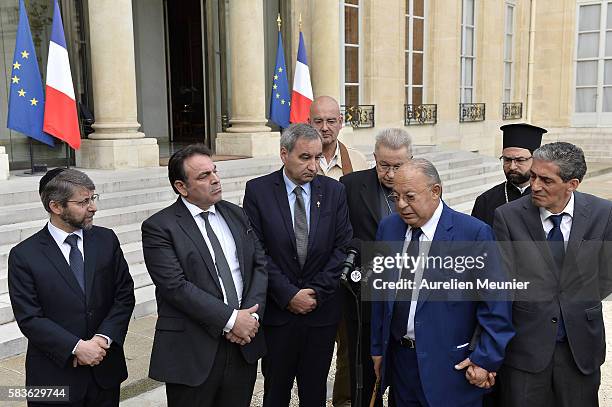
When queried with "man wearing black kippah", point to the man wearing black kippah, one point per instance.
{"points": [[519, 142]]}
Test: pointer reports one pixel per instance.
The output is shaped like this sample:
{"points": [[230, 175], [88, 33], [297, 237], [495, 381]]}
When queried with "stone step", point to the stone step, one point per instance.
{"points": [[469, 182], [464, 195], [12, 341]]}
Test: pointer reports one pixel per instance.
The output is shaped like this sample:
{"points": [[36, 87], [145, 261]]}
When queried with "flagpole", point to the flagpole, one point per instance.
{"points": [[31, 156], [278, 21], [67, 155]]}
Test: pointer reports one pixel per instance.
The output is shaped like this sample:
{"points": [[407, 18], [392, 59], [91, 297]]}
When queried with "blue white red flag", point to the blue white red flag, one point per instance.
{"points": [[61, 118], [301, 97]]}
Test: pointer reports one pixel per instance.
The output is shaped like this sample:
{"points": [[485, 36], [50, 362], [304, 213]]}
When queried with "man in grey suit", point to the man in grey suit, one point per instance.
{"points": [[210, 283], [558, 240]]}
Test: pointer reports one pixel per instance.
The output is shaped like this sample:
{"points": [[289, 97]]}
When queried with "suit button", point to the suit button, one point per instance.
{"points": [[294, 257], [300, 281], [554, 320], [90, 314]]}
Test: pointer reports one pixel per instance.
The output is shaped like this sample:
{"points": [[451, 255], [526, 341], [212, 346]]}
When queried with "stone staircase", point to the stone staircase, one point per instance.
{"points": [[129, 197]]}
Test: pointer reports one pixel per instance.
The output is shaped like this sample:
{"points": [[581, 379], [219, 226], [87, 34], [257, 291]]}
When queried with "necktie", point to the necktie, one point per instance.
{"points": [[555, 240], [557, 248], [401, 310], [221, 264], [300, 226], [76, 260]]}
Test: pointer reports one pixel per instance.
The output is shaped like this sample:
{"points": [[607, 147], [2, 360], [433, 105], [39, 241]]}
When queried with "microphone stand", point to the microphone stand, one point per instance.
{"points": [[358, 360]]}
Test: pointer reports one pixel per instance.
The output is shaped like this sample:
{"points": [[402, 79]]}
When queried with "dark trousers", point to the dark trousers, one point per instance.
{"points": [[95, 396], [297, 351], [561, 384], [229, 384], [367, 367], [405, 380]]}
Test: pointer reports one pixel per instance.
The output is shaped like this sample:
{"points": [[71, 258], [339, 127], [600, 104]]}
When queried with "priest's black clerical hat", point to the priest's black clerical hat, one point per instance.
{"points": [[49, 175], [522, 135]]}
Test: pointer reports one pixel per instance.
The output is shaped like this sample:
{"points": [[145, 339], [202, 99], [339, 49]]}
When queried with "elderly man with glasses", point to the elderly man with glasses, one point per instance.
{"points": [[368, 201], [519, 142]]}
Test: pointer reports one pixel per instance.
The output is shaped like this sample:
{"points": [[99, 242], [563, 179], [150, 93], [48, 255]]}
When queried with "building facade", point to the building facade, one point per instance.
{"points": [[156, 74]]}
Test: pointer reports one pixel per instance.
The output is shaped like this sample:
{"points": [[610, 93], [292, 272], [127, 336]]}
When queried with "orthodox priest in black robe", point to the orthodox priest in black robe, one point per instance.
{"points": [[519, 142]]}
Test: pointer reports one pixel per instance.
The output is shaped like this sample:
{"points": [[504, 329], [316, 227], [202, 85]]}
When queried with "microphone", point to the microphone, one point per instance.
{"points": [[352, 256]]}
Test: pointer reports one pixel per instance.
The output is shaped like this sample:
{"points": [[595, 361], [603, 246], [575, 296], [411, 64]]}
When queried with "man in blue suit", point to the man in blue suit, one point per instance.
{"points": [[421, 342], [302, 221]]}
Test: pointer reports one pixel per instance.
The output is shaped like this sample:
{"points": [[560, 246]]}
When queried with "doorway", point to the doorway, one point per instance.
{"points": [[187, 106]]}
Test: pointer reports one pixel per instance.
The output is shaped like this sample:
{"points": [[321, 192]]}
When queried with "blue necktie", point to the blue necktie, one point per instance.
{"points": [[401, 308], [556, 243], [76, 260]]}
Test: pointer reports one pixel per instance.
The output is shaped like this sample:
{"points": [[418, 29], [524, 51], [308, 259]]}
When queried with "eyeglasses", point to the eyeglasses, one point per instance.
{"points": [[408, 197], [517, 160], [387, 167], [329, 122], [87, 201]]}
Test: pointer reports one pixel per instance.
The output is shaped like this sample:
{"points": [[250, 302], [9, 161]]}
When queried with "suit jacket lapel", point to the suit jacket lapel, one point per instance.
{"points": [[443, 233], [57, 259], [533, 222], [237, 234], [89, 249], [369, 194], [280, 193], [189, 226], [580, 221], [316, 200]]}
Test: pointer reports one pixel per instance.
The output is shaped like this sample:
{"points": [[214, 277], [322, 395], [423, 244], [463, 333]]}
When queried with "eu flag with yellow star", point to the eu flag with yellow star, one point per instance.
{"points": [[26, 98], [280, 99]]}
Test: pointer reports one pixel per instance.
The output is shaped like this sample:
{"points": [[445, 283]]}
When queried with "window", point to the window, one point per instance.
{"points": [[414, 51], [352, 52], [508, 52], [593, 97], [468, 59]]}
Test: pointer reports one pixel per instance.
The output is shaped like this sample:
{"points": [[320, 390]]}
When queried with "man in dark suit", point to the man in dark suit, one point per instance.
{"points": [[368, 200], [558, 239], [72, 295], [302, 221], [210, 286], [519, 142], [420, 336]]}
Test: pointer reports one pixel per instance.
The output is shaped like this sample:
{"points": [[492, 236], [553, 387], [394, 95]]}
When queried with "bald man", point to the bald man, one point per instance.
{"points": [[337, 160]]}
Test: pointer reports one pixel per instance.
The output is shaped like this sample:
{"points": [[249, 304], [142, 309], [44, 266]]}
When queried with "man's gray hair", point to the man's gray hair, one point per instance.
{"points": [[63, 186], [299, 130], [394, 139], [567, 156], [427, 168]]}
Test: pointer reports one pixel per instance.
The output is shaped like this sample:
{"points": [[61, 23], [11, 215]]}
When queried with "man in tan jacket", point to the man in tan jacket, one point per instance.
{"points": [[337, 160]]}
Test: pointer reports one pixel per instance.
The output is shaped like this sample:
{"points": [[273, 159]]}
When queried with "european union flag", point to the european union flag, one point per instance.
{"points": [[26, 98], [280, 101]]}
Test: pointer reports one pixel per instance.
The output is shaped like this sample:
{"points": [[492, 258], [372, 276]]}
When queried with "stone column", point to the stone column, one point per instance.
{"points": [[116, 143], [248, 134], [325, 65]]}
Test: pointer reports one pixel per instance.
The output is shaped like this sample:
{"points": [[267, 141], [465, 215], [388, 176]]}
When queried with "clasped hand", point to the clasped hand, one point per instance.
{"points": [[91, 352], [245, 327], [476, 375], [303, 302]]}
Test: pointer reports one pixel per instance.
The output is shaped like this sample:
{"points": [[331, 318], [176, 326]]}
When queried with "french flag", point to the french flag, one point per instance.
{"points": [[301, 96], [61, 119]]}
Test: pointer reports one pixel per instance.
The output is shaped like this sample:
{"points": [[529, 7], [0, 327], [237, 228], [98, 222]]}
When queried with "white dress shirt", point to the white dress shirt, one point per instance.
{"points": [[327, 166], [566, 222], [60, 239], [429, 230], [226, 240], [290, 186]]}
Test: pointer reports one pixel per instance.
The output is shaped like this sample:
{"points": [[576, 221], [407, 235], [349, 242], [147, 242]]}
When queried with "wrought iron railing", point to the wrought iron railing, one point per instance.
{"points": [[420, 114], [471, 112], [512, 111], [358, 116]]}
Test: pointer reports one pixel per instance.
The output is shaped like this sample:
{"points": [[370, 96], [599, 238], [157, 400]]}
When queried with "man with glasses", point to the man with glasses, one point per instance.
{"points": [[72, 296], [421, 337], [519, 142], [367, 194], [337, 160]]}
